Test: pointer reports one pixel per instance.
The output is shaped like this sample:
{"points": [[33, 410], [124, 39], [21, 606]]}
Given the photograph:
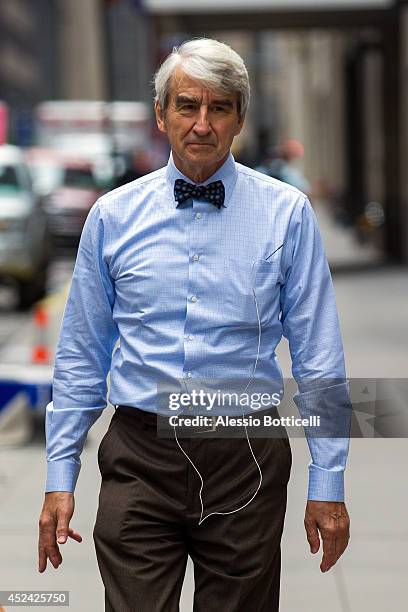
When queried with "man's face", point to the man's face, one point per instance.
{"points": [[200, 125]]}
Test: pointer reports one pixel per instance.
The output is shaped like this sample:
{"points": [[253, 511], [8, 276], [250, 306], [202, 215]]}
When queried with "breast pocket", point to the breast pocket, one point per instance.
{"points": [[250, 289], [234, 292], [266, 281]]}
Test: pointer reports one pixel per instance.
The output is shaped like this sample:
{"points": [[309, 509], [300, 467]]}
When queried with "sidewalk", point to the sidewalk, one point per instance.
{"points": [[341, 246]]}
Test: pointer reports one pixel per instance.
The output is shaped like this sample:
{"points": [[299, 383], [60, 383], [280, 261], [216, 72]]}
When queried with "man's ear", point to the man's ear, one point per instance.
{"points": [[159, 117], [240, 125]]}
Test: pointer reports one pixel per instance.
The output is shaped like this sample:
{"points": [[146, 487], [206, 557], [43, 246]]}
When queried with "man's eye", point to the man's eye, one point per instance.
{"points": [[187, 107]]}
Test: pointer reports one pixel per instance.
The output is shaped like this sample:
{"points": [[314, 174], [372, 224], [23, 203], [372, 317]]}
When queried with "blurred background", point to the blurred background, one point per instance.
{"points": [[329, 114]]}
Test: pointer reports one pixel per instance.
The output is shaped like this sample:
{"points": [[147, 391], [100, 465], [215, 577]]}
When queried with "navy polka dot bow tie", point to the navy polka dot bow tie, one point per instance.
{"points": [[213, 192]]}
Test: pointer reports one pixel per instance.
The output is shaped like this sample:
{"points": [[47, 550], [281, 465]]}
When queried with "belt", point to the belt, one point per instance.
{"points": [[147, 418], [152, 419]]}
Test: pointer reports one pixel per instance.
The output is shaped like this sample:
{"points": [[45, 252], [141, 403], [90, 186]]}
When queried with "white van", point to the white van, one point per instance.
{"points": [[24, 243]]}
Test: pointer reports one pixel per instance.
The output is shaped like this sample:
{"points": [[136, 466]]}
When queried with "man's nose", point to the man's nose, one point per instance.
{"points": [[202, 124]]}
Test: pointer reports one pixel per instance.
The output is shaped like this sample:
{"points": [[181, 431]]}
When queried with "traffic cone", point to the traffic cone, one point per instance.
{"points": [[41, 352]]}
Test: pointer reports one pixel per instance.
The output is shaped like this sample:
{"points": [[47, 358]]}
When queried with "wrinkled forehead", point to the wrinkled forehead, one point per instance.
{"points": [[183, 85]]}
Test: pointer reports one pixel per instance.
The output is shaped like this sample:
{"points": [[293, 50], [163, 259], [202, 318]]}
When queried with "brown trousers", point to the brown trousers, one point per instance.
{"points": [[149, 509]]}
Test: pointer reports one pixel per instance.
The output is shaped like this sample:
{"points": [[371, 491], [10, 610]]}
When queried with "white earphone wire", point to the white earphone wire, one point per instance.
{"points": [[202, 519]]}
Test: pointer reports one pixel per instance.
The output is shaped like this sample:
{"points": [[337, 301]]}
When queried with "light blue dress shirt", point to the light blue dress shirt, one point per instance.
{"points": [[173, 285]]}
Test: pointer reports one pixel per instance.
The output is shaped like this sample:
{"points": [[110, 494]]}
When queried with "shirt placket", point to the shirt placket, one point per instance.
{"points": [[196, 294]]}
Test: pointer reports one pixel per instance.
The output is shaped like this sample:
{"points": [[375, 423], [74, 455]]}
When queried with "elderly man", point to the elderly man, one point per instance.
{"points": [[197, 269]]}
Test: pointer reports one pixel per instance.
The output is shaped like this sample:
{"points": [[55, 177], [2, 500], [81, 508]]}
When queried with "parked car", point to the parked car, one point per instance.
{"points": [[68, 205], [24, 238]]}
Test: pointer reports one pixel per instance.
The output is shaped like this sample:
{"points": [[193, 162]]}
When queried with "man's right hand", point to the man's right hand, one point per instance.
{"points": [[54, 528]]}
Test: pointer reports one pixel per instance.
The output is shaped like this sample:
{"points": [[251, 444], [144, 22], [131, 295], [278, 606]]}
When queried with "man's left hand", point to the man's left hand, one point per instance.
{"points": [[331, 519]]}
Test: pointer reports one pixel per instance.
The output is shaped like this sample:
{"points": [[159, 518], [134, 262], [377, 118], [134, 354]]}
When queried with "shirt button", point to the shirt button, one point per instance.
{"points": [[198, 215], [189, 375], [190, 337], [196, 257], [193, 298]]}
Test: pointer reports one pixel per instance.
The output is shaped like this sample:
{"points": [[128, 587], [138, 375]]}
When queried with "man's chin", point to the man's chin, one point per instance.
{"points": [[204, 154]]}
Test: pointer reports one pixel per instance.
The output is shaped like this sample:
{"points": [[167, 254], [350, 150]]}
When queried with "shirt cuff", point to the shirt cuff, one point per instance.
{"points": [[333, 407], [62, 475], [325, 485]]}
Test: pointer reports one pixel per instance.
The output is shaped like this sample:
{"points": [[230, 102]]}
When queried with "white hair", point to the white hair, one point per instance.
{"points": [[212, 63]]}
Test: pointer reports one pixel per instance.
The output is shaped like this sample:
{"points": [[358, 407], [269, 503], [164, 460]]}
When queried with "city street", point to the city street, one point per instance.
{"points": [[311, 93], [372, 572]]}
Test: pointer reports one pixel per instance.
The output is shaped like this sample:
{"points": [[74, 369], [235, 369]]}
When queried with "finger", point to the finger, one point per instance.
{"points": [[62, 530], [312, 535], [42, 559], [46, 542], [75, 535], [340, 548], [329, 549], [54, 555], [342, 543]]}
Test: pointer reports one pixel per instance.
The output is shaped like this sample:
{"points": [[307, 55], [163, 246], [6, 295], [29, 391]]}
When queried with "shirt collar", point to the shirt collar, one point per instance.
{"points": [[227, 174]]}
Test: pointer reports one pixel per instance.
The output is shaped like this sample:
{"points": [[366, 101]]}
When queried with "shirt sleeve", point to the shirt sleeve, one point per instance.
{"points": [[83, 357], [310, 323]]}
